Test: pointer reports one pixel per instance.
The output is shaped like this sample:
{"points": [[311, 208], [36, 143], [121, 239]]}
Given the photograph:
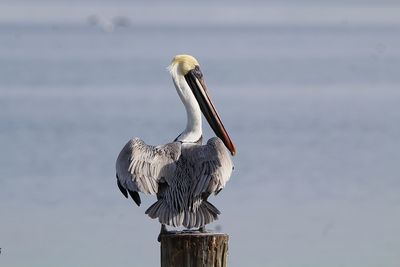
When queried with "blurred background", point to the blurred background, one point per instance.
{"points": [[309, 91]]}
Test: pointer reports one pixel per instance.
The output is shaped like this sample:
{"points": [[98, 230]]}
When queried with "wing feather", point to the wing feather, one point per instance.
{"points": [[140, 167], [212, 166]]}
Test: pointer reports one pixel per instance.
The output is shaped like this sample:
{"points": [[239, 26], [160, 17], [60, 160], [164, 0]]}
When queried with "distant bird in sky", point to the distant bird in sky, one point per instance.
{"points": [[184, 173]]}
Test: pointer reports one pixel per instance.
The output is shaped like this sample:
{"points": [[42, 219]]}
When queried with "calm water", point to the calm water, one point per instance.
{"points": [[311, 101]]}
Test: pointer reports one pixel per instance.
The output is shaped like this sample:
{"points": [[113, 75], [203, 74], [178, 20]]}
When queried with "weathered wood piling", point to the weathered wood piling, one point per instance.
{"points": [[194, 249]]}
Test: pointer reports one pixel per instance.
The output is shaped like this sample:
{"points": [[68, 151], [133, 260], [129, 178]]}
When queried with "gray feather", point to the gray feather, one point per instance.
{"points": [[180, 175]]}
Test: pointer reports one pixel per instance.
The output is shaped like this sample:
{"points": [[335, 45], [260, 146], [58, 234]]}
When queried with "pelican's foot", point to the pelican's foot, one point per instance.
{"points": [[162, 232], [202, 229]]}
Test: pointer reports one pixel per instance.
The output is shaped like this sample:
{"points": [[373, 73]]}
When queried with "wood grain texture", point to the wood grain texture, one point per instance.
{"points": [[182, 249]]}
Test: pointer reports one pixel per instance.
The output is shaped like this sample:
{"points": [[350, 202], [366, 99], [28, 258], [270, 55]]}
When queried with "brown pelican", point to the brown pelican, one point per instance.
{"points": [[183, 173]]}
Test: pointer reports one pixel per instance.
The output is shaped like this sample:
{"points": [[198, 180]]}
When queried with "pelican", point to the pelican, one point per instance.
{"points": [[183, 173]]}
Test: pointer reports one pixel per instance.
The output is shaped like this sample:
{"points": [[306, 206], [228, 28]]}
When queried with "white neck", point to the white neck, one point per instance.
{"points": [[193, 130]]}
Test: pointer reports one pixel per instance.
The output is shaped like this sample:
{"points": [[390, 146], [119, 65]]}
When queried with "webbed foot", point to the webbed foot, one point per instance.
{"points": [[163, 231], [202, 229]]}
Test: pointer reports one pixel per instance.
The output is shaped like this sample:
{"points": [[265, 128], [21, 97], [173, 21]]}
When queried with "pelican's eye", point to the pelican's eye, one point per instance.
{"points": [[197, 72]]}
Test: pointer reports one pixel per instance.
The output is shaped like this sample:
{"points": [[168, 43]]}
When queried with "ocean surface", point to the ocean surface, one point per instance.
{"points": [[309, 93]]}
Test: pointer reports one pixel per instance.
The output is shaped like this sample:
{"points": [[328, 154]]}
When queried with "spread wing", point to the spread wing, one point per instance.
{"points": [[212, 166], [140, 167]]}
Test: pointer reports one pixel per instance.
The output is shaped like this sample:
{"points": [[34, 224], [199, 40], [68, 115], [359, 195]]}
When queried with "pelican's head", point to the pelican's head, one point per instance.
{"points": [[183, 64], [187, 67]]}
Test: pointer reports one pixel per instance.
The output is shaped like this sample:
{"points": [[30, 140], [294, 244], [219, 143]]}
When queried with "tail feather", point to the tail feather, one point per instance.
{"points": [[153, 210], [205, 214]]}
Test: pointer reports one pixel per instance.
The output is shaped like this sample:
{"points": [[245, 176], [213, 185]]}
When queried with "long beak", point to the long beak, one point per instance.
{"points": [[195, 80]]}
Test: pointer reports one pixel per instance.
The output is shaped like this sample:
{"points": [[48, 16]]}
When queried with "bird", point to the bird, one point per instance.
{"points": [[185, 172]]}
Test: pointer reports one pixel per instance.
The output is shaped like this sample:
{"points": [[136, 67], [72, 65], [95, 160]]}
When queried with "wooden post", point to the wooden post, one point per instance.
{"points": [[194, 249]]}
